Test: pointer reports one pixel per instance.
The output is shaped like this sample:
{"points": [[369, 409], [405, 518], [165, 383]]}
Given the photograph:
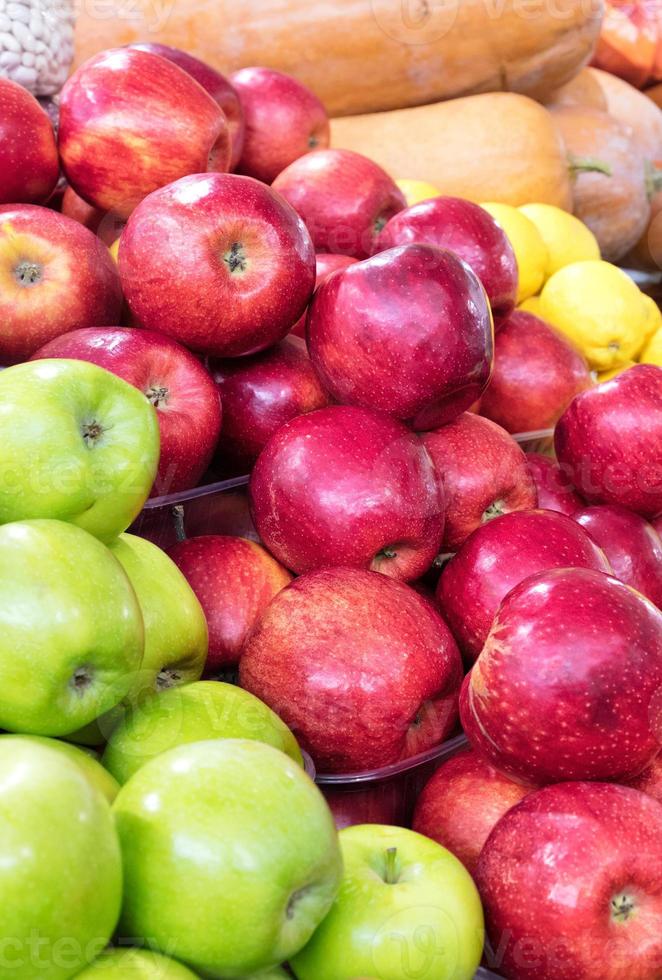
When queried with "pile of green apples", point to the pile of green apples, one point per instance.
{"points": [[193, 844]]}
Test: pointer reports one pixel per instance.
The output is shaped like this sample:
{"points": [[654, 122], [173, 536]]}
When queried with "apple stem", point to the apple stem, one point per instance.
{"points": [[391, 870], [178, 521], [387, 552], [588, 165]]}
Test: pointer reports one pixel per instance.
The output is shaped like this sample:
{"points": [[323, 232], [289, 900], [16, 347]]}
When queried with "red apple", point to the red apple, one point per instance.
{"points": [[131, 122], [570, 883], [220, 513], [234, 580], [484, 473], [468, 230], [361, 668], [536, 375], [55, 276], [29, 165], [631, 544], [461, 804], [555, 491], [217, 85], [325, 264], [218, 262], [379, 802], [407, 332], [650, 780], [183, 393], [657, 524], [568, 683], [259, 394], [610, 441], [500, 555], [107, 226], [344, 198], [284, 120], [346, 486]]}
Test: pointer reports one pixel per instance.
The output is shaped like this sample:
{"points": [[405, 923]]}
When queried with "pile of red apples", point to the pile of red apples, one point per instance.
{"points": [[406, 570]]}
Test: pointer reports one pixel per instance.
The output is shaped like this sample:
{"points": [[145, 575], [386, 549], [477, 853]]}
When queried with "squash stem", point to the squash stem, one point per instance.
{"points": [[588, 165]]}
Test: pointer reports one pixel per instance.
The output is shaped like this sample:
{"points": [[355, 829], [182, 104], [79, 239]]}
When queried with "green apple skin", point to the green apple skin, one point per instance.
{"points": [[231, 857], [427, 924], [198, 712], [60, 865], [135, 964], [77, 444], [71, 630], [91, 767]]}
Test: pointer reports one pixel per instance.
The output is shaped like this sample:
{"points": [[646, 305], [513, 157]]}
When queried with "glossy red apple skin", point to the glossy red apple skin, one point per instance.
{"points": [[29, 165], [650, 780], [344, 198], [225, 513], [536, 375], [631, 544], [657, 524], [554, 872], [217, 85], [362, 668], [499, 556], [462, 802], [106, 225], [235, 580], [484, 473], [407, 332], [555, 490], [610, 441], [219, 262], [468, 230], [325, 264], [346, 486], [572, 662], [131, 122], [55, 276], [182, 391], [259, 394], [284, 120]]}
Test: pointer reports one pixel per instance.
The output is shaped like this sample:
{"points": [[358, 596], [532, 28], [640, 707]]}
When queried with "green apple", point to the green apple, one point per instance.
{"points": [[195, 713], [71, 630], [134, 964], [406, 908], [77, 443], [91, 767], [231, 857], [60, 865]]}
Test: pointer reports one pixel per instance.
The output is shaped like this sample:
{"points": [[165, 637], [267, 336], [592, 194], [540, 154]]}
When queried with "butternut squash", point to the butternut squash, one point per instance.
{"points": [[584, 89], [494, 147], [366, 55], [631, 108]]}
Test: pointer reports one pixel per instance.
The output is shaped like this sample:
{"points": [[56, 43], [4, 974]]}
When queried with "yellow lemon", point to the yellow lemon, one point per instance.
{"points": [[653, 318], [531, 305], [567, 239], [417, 190], [652, 353], [114, 249], [608, 375], [528, 246], [600, 309]]}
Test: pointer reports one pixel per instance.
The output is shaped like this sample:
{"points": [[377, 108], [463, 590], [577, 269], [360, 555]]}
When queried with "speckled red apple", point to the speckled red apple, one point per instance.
{"points": [[346, 486], [650, 780], [106, 225], [555, 490], [362, 669], [567, 685], [500, 555], [29, 165]]}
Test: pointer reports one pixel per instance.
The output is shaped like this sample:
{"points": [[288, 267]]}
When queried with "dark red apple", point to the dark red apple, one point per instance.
{"points": [[555, 491], [344, 198], [610, 441], [650, 780], [379, 802], [407, 332], [213, 82], [500, 555], [484, 473], [570, 883], [468, 230], [284, 120], [259, 394], [461, 804], [657, 524], [181, 390], [235, 580], [631, 544], [325, 264], [536, 375], [361, 668], [56, 276], [131, 122], [218, 262], [107, 226], [346, 486], [220, 513], [568, 683], [29, 165]]}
